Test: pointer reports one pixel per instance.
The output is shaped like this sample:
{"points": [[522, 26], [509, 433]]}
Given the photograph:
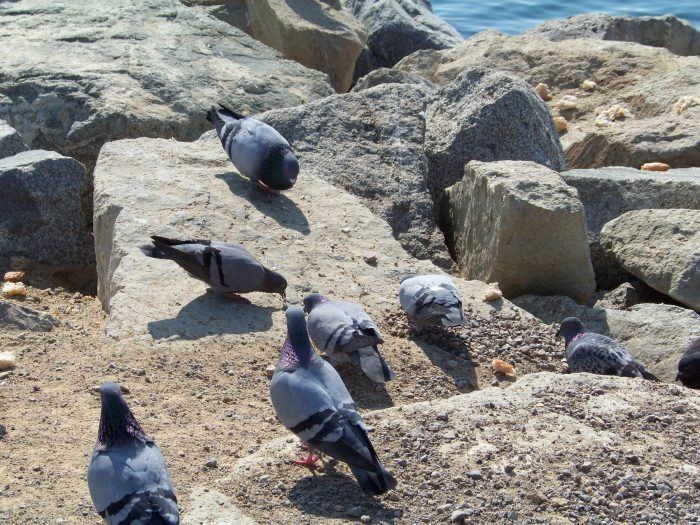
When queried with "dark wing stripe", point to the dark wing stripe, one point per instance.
{"points": [[333, 333], [227, 132], [315, 419], [175, 242], [219, 266], [142, 507]]}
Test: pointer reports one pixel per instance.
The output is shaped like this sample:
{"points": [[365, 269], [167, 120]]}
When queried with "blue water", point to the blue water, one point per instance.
{"points": [[470, 17]]}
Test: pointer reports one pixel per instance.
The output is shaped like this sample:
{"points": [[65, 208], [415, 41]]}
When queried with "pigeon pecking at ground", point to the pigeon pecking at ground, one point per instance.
{"points": [[228, 268], [430, 300], [311, 400], [127, 477], [689, 365], [598, 354], [257, 150], [346, 333]]}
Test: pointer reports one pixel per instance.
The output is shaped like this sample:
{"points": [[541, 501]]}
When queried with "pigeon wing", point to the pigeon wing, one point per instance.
{"points": [[234, 269]]}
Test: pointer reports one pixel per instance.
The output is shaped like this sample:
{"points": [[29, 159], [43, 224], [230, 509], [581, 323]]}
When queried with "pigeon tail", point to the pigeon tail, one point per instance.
{"points": [[150, 250], [374, 484], [221, 115], [648, 375], [373, 364]]}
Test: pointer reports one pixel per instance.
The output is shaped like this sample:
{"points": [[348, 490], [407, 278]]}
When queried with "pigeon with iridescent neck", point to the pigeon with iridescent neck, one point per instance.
{"points": [[256, 149], [311, 400], [430, 300], [127, 477], [346, 333], [598, 354]]}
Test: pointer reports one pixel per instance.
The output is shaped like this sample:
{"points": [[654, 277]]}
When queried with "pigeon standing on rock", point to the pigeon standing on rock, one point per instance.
{"points": [[228, 268], [311, 400], [127, 477], [346, 333], [430, 300], [257, 150], [598, 354], [689, 365]]}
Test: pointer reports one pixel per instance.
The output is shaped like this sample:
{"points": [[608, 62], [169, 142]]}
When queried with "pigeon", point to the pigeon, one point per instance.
{"points": [[431, 300], [127, 477], [689, 365], [257, 150], [311, 400], [228, 268], [346, 333], [598, 354]]}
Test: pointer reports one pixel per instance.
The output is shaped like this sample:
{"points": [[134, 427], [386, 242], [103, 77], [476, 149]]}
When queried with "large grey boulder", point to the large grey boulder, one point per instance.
{"points": [[675, 34], [74, 75], [656, 334], [652, 86], [11, 142], [488, 116], [318, 236], [607, 193], [519, 224], [660, 247], [539, 451], [370, 143], [397, 28], [45, 210]]}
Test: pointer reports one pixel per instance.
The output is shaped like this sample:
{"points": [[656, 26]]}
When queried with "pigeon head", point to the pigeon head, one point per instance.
{"points": [[117, 423], [290, 167], [312, 300], [408, 276], [280, 167], [274, 283], [570, 328], [297, 348], [689, 366]]}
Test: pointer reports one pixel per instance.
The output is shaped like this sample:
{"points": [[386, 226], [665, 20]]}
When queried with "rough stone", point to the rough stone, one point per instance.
{"points": [[315, 235], [675, 34], [656, 334], [45, 210], [385, 75], [18, 317], [647, 82], [519, 224], [11, 142], [322, 35], [397, 28], [660, 247], [74, 75], [488, 116], [370, 143], [213, 508]]}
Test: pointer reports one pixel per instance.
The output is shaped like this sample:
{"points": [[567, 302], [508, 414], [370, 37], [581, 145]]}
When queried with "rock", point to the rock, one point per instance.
{"points": [[626, 295], [647, 81], [660, 247], [213, 507], [11, 142], [370, 143], [676, 35], [76, 75], [142, 187], [385, 75], [488, 116], [45, 210], [656, 334], [607, 193], [397, 28], [234, 12], [17, 317], [459, 516], [322, 35], [519, 224]]}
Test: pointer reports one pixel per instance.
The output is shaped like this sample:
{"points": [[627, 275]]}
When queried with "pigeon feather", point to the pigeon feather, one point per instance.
{"points": [[431, 300], [689, 365]]}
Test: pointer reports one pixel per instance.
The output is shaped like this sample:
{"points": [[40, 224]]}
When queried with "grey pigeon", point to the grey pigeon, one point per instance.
{"points": [[346, 333], [311, 400], [431, 300], [257, 150], [127, 477], [689, 365], [228, 268], [598, 354]]}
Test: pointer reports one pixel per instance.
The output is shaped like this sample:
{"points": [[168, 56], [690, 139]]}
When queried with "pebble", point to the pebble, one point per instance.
{"points": [[355, 512], [459, 516], [475, 474], [365, 518], [212, 463]]}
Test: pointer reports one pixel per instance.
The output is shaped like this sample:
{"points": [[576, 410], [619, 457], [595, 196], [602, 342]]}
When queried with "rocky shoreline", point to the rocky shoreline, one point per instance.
{"points": [[509, 159]]}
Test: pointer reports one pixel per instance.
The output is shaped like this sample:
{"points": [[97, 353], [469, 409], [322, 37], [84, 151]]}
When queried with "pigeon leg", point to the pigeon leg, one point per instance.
{"points": [[237, 297], [309, 461], [266, 189]]}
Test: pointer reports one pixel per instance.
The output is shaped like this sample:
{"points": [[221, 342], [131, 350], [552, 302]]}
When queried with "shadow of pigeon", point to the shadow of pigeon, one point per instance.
{"points": [[280, 208], [211, 315], [463, 375], [332, 493], [367, 394]]}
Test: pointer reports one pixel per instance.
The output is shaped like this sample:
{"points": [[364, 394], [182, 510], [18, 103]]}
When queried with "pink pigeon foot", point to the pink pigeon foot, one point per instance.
{"points": [[309, 461]]}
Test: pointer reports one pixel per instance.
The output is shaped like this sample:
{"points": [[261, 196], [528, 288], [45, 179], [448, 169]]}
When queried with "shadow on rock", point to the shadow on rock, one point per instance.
{"points": [[210, 315], [281, 208], [332, 494], [367, 394], [463, 373]]}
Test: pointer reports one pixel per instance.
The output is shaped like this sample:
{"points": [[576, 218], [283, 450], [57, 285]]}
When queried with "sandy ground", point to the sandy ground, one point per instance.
{"points": [[203, 401]]}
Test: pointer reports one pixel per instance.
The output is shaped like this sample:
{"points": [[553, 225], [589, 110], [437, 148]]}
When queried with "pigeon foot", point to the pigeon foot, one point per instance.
{"points": [[266, 189], [309, 462], [237, 297]]}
